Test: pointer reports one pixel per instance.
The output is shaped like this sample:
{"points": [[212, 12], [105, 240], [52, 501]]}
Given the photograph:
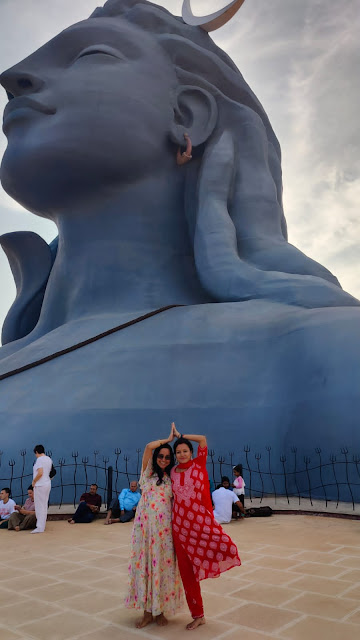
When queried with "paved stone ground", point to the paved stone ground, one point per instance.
{"points": [[300, 579], [279, 503]]}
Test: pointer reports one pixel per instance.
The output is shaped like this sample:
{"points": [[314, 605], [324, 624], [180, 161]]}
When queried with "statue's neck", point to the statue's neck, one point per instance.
{"points": [[128, 254]]}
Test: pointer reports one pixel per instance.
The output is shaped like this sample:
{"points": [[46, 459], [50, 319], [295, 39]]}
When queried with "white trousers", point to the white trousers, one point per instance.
{"points": [[41, 499]]}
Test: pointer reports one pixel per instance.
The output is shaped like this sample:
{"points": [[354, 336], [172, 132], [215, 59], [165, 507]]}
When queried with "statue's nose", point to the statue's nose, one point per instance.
{"points": [[18, 82]]}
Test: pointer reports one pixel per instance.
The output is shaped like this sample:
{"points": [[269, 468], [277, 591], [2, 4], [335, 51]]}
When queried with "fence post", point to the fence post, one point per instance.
{"points": [[109, 486]]}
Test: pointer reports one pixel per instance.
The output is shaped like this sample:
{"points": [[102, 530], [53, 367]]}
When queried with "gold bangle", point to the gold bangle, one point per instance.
{"points": [[160, 443]]}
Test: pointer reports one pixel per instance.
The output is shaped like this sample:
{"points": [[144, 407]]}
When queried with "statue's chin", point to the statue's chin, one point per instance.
{"points": [[26, 192], [44, 181]]}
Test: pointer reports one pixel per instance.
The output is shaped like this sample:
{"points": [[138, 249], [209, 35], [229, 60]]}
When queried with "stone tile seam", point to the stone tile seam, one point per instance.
{"points": [[41, 619], [226, 633], [147, 634], [239, 627], [302, 613], [23, 602], [356, 585], [52, 615], [90, 592], [288, 625], [50, 584], [351, 613], [332, 620], [319, 617], [7, 628], [342, 558], [346, 571], [103, 629]]}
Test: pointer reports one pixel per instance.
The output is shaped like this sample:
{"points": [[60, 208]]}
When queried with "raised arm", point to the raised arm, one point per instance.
{"points": [[148, 451], [201, 440]]}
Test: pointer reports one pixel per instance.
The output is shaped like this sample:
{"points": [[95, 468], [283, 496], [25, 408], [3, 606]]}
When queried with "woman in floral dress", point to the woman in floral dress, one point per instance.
{"points": [[154, 579], [203, 549]]}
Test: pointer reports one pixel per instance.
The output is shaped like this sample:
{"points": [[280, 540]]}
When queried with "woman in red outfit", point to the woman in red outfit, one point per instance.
{"points": [[202, 547]]}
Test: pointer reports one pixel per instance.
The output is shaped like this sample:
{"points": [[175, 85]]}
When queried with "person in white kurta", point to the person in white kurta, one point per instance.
{"points": [[42, 485], [223, 500]]}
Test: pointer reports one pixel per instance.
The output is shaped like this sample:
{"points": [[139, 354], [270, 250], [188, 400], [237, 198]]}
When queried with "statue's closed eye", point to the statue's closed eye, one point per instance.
{"points": [[103, 51], [91, 53]]}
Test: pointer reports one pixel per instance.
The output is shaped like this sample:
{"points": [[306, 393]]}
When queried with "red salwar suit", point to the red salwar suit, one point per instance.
{"points": [[202, 547]]}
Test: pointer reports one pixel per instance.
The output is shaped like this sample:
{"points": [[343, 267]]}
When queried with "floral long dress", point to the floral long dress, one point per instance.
{"points": [[154, 579]]}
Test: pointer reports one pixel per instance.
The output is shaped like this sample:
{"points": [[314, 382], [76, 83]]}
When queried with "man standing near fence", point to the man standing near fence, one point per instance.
{"points": [[41, 484]]}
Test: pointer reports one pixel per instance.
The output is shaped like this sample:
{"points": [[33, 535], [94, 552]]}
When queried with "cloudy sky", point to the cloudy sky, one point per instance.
{"points": [[301, 57]]}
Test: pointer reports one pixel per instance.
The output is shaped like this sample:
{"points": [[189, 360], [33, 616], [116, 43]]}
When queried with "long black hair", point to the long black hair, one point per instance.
{"points": [[156, 469]]}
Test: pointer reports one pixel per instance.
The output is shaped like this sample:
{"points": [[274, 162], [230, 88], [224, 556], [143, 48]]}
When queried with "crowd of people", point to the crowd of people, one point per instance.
{"points": [[177, 539]]}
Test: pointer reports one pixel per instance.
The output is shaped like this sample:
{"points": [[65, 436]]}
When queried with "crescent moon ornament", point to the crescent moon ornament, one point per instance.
{"points": [[213, 20]]}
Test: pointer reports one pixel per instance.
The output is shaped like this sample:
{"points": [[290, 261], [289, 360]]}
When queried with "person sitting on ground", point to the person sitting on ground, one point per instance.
{"points": [[24, 517], [113, 515], [89, 507], [129, 500], [236, 512], [223, 501], [7, 506], [225, 482]]}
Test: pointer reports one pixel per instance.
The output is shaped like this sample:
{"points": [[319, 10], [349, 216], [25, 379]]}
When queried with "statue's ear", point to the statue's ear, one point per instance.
{"points": [[195, 113]]}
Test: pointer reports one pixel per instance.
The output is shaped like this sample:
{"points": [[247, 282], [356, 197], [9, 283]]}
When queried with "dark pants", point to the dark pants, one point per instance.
{"points": [[115, 508], [128, 515], [236, 512], [83, 513]]}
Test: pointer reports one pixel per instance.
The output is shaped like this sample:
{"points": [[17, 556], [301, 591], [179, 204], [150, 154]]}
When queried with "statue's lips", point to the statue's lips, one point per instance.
{"points": [[18, 106]]}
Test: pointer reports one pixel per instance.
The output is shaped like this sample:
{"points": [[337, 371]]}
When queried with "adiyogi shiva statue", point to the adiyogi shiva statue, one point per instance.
{"points": [[251, 338]]}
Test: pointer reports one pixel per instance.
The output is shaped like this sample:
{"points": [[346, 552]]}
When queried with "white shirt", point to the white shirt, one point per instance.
{"points": [[44, 463], [239, 486], [6, 509], [223, 500]]}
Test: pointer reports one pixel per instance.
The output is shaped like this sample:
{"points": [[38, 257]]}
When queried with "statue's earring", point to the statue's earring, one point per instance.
{"points": [[185, 156]]}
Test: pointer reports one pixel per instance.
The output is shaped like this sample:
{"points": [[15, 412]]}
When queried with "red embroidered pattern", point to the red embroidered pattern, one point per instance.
{"points": [[209, 548]]}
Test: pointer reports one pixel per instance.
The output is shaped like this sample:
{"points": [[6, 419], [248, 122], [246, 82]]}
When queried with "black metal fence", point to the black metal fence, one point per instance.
{"points": [[327, 477]]}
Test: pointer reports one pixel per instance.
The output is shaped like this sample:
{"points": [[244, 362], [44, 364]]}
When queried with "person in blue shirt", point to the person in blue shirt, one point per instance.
{"points": [[128, 500]]}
